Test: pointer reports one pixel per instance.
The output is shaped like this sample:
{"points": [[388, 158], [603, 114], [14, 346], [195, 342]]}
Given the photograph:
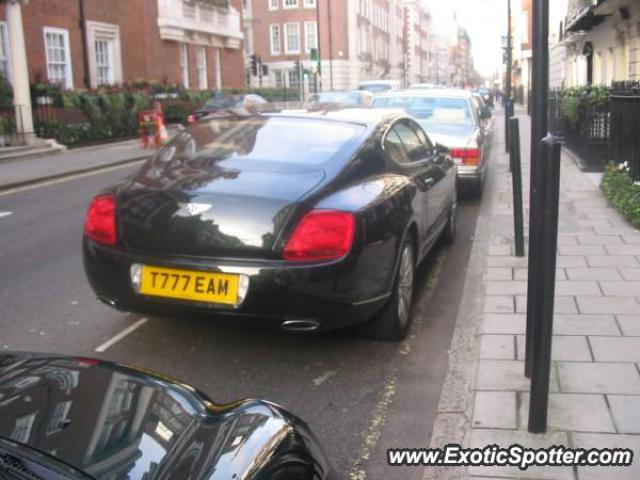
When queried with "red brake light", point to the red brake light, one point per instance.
{"points": [[466, 156], [321, 235], [100, 224]]}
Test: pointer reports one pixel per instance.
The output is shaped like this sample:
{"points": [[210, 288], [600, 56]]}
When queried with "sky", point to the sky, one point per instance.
{"points": [[486, 22]]}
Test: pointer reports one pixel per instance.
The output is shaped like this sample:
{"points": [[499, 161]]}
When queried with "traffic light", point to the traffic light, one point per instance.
{"points": [[254, 65]]}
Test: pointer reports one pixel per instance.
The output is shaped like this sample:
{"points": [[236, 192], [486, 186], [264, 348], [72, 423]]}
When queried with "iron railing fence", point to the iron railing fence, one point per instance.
{"points": [[587, 132], [625, 125]]}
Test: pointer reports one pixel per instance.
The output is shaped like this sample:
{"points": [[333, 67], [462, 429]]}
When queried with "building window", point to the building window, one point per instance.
{"points": [[58, 54], [5, 63], [184, 64], [105, 60], [290, 4], [273, 4], [309, 3], [279, 78], [22, 429], [292, 38], [311, 36], [202, 68], [294, 79], [275, 39], [59, 416]]}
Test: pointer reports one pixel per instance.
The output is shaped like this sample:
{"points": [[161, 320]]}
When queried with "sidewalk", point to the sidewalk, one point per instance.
{"points": [[24, 171], [595, 374]]}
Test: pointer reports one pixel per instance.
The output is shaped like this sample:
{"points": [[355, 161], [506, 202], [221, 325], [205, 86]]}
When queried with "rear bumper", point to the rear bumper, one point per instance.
{"points": [[468, 175], [325, 293]]}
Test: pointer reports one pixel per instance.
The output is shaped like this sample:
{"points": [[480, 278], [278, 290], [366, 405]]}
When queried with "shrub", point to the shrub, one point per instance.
{"points": [[574, 100], [112, 111], [623, 192]]}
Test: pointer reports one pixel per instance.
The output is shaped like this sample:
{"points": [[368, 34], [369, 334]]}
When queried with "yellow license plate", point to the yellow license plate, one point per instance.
{"points": [[196, 286]]}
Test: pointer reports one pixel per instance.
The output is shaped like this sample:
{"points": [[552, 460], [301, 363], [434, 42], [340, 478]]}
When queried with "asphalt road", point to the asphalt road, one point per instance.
{"points": [[360, 396]]}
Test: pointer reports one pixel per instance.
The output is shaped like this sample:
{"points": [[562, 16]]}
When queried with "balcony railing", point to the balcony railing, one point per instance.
{"points": [[581, 15], [185, 20]]}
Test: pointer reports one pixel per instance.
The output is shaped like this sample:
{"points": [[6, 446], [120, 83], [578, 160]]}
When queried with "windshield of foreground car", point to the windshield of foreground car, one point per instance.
{"points": [[440, 110], [262, 139], [20, 462]]}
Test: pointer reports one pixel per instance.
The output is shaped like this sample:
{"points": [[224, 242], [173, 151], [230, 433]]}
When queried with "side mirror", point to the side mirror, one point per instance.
{"points": [[441, 149]]}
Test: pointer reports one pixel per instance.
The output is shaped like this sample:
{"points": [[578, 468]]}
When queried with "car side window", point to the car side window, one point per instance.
{"points": [[415, 146], [394, 147], [424, 138]]}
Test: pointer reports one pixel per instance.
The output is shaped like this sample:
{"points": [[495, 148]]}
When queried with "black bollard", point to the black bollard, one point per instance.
{"points": [[545, 293], [539, 106], [516, 182]]}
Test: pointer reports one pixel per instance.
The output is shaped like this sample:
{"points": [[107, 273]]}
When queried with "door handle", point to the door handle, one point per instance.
{"points": [[428, 181]]}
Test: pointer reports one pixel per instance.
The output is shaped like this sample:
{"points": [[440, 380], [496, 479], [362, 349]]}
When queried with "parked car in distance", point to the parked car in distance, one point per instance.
{"points": [[424, 86], [312, 220], [223, 102], [379, 86], [454, 119], [360, 98], [75, 418]]}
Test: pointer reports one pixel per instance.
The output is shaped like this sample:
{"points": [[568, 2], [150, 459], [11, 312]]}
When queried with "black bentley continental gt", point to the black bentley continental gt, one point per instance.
{"points": [[72, 418], [316, 220]]}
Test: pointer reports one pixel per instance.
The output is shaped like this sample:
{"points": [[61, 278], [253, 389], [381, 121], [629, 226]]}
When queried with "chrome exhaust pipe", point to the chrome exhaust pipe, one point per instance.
{"points": [[300, 326]]}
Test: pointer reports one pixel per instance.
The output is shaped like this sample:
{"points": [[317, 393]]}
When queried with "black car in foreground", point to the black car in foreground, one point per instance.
{"points": [[77, 418], [316, 220]]}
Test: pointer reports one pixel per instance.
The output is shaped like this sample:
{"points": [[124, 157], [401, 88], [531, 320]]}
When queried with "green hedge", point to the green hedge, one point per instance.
{"points": [[575, 99], [112, 111], [622, 191]]}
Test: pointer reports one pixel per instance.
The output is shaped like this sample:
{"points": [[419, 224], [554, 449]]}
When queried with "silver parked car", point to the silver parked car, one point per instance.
{"points": [[452, 118]]}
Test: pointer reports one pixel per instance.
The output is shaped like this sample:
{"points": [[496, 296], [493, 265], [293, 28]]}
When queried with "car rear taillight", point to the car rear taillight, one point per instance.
{"points": [[100, 224], [321, 235], [466, 156]]}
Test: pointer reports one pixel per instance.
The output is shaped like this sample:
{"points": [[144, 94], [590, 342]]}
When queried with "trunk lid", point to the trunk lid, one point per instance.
{"points": [[211, 210]]}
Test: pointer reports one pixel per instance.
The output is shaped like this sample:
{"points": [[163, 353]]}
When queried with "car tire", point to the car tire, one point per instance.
{"points": [[393, 322], [448, 235]]}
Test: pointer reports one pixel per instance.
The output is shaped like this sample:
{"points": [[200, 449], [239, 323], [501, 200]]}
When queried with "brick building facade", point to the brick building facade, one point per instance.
{"points": [[169, 41], [358, 39]]}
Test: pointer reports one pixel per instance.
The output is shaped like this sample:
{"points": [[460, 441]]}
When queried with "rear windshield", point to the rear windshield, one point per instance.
{"points": [[262, 139], [345, 98], [430, 109], [223, 102]]}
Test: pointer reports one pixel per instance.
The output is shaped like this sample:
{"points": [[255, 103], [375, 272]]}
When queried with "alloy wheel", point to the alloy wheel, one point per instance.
{"points": [[405, 285]]}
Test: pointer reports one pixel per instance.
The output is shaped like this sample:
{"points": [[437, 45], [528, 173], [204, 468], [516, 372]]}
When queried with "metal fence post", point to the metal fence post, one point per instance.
{"points": [[539, 398], [516, 182]]}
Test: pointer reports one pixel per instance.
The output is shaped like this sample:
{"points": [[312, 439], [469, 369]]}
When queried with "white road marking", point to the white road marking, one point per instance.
{"points": [[127, 331], [324, 377], [47, 183], [5, 214]]}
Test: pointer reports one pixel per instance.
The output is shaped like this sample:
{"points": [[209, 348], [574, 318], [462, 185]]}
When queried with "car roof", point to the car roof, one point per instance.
{"points": [[436, 92]]}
